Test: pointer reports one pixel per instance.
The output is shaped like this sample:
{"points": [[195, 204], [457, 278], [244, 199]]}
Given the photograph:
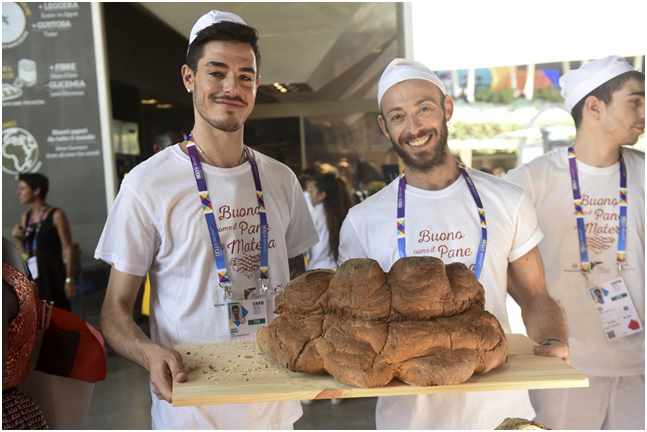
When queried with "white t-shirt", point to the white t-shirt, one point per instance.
{"points": [[445, 224], [547, 182], [157, 225], [321, 257]]}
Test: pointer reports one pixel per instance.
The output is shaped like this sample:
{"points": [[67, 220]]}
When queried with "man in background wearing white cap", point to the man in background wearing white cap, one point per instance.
{"points": [[458, 215], [241, 238], [583, 251]]}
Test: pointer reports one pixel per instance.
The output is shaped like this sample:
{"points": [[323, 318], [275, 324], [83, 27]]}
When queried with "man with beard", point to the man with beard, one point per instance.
{"points": [[443, 206], [601, 245], [204, 252]]}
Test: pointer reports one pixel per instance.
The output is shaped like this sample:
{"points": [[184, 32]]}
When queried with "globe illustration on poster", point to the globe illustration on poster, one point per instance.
{"points": [[19, 151], [13, 22]]}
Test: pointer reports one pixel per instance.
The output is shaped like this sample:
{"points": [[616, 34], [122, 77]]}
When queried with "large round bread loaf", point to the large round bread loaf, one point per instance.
{"points": [[422, 322]]}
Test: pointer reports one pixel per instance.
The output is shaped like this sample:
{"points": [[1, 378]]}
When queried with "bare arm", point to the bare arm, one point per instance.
{"points": [[297, 266], [18, 233], [65, 234], [125, 337], [541, 314]]}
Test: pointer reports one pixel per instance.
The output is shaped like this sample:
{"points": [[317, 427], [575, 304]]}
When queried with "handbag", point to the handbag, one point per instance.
{"points": [[69, 346]]}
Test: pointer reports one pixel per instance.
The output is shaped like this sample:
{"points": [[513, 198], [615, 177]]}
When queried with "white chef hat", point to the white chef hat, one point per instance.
{"points": [[210, 18], [578, 83], [402, 69]]}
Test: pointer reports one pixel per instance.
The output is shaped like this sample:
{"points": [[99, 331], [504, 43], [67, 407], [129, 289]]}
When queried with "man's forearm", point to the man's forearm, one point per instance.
{"points": [[544, 319], [123, 335], [69, 262]]}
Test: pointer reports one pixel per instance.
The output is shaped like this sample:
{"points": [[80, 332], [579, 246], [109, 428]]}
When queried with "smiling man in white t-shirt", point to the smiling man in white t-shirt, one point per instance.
{"points": [[448, 211], [214, 224], [607, 100]]}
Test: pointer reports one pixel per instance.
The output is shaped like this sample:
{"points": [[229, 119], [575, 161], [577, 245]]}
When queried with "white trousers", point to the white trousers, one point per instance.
{"points": [[608, 403]]}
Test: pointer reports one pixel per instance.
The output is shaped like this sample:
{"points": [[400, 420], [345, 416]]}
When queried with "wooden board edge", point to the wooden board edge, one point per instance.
{"points": [[375, 392]]}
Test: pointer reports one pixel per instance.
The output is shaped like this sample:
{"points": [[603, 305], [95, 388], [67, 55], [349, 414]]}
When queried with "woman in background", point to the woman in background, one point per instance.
{"points": [[331, 201], [43, 235], [330, 204]]}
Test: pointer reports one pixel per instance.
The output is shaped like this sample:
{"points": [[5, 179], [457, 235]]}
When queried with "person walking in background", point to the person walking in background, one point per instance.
{"points": [[331, 200], [600, 245], [44, 237], [330, 204]]}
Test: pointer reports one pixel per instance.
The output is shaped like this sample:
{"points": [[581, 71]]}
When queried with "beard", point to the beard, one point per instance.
{"points": [[429, 160], [226, 124]]}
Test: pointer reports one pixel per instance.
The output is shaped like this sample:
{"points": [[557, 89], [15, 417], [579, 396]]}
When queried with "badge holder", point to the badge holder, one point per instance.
{"points": [[32, 263], [225, 298], [615, 308], [265, 290]]}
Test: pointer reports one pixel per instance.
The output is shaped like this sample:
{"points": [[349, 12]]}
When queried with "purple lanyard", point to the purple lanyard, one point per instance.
{"points": [[621, 256], [33, 246], [205, 200], [402, 240]]}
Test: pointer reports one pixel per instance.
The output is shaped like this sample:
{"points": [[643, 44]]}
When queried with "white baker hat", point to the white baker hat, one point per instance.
{"points": [[401, 69], [210, 18], [578, 83]]}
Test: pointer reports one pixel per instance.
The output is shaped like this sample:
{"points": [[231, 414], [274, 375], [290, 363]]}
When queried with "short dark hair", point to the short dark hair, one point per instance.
{"points": [[223, 31], [605, 93], [36, 181]]}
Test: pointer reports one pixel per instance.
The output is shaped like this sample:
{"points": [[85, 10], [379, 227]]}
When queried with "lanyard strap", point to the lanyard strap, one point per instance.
{"points": [[402, 241], [32, 247], [621, 257], [264, 270], [205, 200]]}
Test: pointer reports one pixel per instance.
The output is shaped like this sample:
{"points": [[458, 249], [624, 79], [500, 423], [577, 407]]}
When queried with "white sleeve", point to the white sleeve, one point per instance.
{"points": [[527, 232], [350, 245], [129, 239], [521, 177], [301, 234]]}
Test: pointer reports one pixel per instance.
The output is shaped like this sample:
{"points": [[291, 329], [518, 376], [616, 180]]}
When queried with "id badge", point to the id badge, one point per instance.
{"points": [[32, 263], [615, 309], [245, 318]]}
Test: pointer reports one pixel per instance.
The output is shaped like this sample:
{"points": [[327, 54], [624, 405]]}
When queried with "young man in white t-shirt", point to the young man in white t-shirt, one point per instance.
{"points": [[160, 224], [442, 219], [607, 100]]}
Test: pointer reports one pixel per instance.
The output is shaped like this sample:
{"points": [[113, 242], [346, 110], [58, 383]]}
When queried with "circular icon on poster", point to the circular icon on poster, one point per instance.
{"points": [[19, 151], [13, 22], [10, 92]]}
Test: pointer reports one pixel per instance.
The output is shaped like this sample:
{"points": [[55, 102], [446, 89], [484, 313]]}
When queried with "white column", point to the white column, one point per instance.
{"points": [[471, 85], [530, 82], [457, 91], [513, 81], [407, 29], [105, 106], [566, 66], [638, 62]]}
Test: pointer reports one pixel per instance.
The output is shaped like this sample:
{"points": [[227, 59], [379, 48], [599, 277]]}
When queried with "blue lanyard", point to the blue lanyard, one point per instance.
{"points": [[621, 256], [205, 201], [402, 240], [32, 247]]}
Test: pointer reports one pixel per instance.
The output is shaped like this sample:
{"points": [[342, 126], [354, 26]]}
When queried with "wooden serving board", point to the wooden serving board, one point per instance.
{"points": [[241, 373]]}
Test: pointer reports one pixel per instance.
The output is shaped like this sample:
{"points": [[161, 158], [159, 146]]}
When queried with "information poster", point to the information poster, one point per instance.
{"points": [[50, 113]]}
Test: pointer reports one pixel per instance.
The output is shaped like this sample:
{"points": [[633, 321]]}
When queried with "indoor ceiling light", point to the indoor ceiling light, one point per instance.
{"points": [[149, 101], [164, 106]]}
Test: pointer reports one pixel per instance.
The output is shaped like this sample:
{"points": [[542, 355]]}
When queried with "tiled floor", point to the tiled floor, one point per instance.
{"points": [[123, 400]]}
